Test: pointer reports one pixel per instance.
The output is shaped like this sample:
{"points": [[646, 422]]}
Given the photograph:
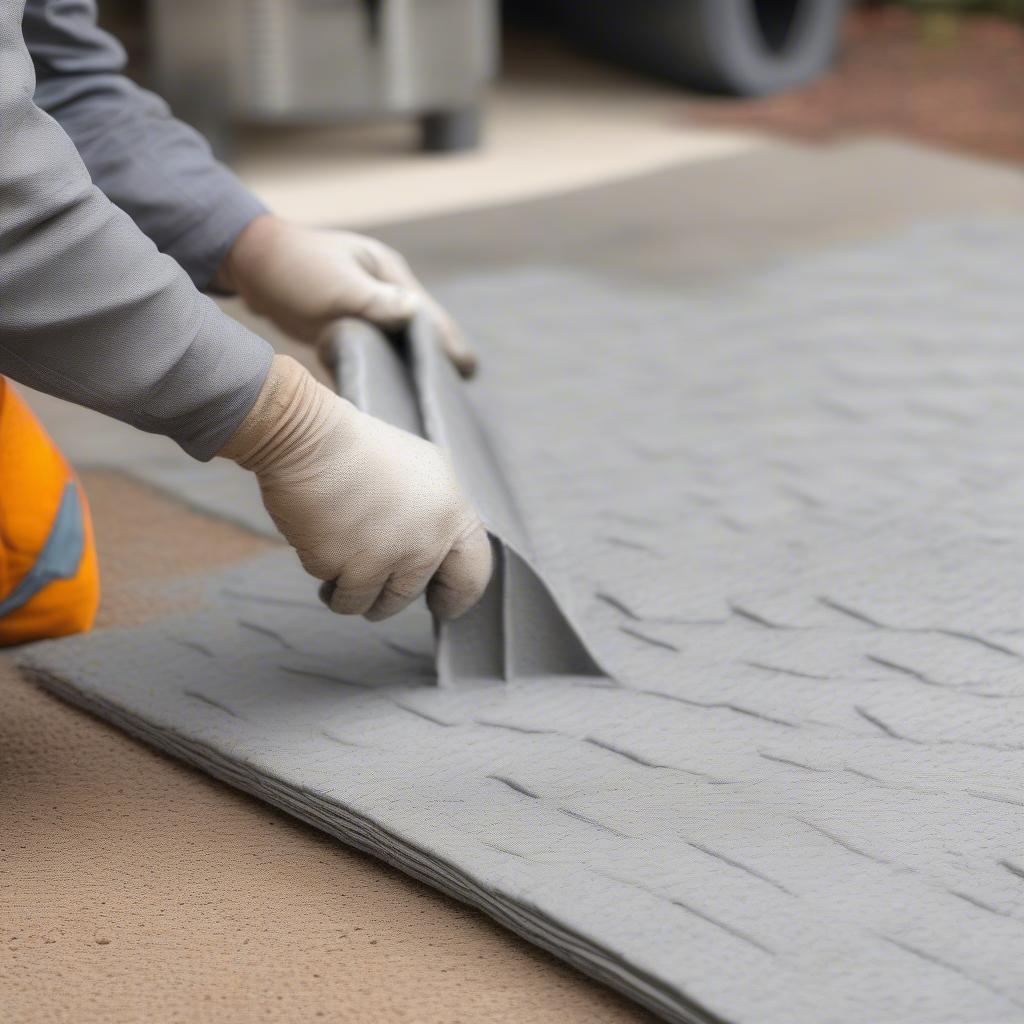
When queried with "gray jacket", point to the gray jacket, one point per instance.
{"points": [[91, 309]]}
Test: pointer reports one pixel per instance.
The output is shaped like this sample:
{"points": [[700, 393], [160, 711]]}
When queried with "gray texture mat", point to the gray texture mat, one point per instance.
{"points": [[521, 626], [791, 516], [685, 227]]}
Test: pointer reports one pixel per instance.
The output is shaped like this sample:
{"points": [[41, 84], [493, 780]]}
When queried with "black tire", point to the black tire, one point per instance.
{"points": [[739, 47], [451, 131]]}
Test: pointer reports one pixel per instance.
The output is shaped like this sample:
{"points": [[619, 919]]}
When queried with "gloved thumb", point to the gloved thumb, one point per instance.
{"points": [[462, 577]]}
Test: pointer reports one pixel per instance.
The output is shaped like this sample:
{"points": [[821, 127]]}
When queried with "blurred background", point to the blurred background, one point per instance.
{"points": [[354, 112]]}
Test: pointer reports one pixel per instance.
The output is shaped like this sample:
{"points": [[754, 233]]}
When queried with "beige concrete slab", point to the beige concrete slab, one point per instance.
{"points": [[135, 889], [555, 122], [701, 224]]}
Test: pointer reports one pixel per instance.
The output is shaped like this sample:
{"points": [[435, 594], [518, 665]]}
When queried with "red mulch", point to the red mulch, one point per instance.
{"points": [[951, 81]]}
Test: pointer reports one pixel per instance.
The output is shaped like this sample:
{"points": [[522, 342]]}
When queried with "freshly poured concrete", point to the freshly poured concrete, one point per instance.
{"points": [[792, 518]]}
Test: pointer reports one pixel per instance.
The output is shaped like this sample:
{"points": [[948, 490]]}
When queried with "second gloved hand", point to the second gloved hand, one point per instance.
{"points": [[370, 507], [304, 279]]}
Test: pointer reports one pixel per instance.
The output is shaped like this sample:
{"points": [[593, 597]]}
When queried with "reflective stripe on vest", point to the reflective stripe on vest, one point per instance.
{"points": [[60, 556]]}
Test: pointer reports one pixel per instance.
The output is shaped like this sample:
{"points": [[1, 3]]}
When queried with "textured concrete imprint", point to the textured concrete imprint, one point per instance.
{"points": [[791, 516]]}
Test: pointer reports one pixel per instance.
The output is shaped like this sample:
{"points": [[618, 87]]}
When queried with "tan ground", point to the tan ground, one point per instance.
{"points": [[133, 888]]}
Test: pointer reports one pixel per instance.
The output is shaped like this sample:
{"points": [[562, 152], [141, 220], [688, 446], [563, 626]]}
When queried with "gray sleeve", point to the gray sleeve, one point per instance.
{"points": [[89, 309], [157, 169]]}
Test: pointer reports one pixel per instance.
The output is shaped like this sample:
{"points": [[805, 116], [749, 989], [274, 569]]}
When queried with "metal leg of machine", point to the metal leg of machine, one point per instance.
{"points": [[451, 131]]}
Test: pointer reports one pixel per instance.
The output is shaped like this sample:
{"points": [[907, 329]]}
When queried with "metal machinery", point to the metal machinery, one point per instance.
{"points": [[221, 62]]}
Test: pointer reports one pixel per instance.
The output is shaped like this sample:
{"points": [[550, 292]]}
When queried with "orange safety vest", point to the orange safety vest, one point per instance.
{"points": [[49, 578]]}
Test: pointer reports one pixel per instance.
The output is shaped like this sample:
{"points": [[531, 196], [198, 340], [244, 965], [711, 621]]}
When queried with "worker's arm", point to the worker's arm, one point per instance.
{"points": [[154, 167], [89, 309], [92, 312], [164, 176]]}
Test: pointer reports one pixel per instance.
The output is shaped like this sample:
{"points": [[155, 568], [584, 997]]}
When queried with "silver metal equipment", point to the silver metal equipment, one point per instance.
{"points": [[221, 62]]}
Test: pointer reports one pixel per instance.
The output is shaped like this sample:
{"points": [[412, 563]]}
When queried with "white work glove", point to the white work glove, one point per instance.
{"points": [[366, 505], [304, 280]]}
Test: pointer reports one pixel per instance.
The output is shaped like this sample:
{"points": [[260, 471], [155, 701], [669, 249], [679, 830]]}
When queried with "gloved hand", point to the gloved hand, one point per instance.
{"points": [[303, 280], [367, 505]]}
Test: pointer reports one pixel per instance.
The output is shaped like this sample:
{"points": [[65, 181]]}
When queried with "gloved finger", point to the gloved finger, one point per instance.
{"points": [[349, 599], [399, 592], [462, 577], [392, 266], [454, 342], [386, 304]]}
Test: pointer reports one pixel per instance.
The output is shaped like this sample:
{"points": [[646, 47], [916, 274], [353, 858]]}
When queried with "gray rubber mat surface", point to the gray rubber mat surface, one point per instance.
{"points": [[521, 625], [791, 514], [692, 226]]}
